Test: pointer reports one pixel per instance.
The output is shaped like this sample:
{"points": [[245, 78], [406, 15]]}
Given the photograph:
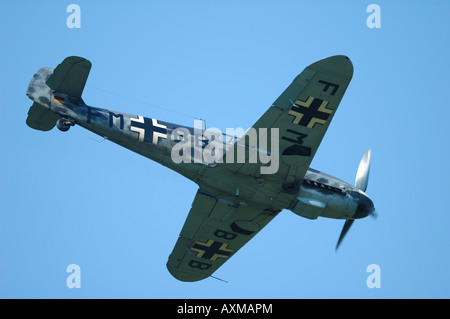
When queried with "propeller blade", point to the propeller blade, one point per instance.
{"points": [[347, 225], [362, 175], [374, 214]]}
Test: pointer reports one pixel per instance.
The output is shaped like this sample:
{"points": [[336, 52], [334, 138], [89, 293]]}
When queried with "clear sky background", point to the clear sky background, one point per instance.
{"points": [[71, 198]]}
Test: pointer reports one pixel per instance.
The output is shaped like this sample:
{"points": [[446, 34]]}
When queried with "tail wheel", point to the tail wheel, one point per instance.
{"points": [[64, 124]]}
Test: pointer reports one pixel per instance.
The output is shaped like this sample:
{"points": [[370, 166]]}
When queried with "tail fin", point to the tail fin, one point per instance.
{"points": [[70, 76]]}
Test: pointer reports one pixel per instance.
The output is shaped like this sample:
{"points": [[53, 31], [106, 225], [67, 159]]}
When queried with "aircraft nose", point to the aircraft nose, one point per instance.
{"points": [[365, 207]]}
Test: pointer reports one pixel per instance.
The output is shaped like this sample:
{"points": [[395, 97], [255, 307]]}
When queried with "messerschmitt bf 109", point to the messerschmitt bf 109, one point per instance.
{"points": [[241, 189]]}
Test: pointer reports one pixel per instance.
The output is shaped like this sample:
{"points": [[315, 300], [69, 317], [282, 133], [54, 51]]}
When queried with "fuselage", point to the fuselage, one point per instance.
{"points": [[317, 195]]}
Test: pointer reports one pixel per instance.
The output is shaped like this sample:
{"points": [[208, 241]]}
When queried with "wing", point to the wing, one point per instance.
{"points": [[218, 224], [215, 230], [302, 114]]}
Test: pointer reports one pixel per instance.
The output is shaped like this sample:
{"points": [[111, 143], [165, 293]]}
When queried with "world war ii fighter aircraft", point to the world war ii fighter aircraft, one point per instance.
{"points": [[236, 196]]}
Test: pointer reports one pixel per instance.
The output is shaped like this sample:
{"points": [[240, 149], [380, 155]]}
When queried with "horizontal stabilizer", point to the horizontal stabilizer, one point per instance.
{"points": [[41, 118], [70, 76]]}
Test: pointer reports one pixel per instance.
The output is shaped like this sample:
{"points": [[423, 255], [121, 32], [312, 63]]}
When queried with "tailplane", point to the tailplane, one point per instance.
{"points": [[41, 118], [68, 78]]}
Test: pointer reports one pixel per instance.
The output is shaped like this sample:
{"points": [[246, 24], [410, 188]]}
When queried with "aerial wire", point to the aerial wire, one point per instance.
{"points": [[142, 102]]}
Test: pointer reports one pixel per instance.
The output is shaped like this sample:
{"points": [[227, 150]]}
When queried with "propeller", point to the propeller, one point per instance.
{"points": [[362, 175], [347, 225], [365, 205]]}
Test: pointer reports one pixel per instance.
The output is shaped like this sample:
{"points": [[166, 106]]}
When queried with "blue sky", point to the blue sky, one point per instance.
{"points": [[70, 198]]}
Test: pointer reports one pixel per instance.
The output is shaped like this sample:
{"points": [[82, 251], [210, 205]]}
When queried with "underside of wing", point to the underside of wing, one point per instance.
{"points": [[301, 115], [237, 197], [215, 230]]}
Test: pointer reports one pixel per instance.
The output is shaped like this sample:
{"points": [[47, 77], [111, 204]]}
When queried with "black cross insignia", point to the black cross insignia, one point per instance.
{"points": [[310, 112], [211, 250], [149, 130]]}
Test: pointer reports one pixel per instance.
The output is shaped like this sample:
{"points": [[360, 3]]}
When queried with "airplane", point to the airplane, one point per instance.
{"points": [[235, 198]]}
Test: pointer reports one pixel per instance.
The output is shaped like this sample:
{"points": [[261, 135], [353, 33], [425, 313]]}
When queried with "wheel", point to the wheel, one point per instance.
{"points": [[63, 124]]}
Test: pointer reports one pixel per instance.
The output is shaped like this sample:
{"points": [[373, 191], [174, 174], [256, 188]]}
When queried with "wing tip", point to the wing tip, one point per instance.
{"points": [[183, 275], [339, 64]]}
